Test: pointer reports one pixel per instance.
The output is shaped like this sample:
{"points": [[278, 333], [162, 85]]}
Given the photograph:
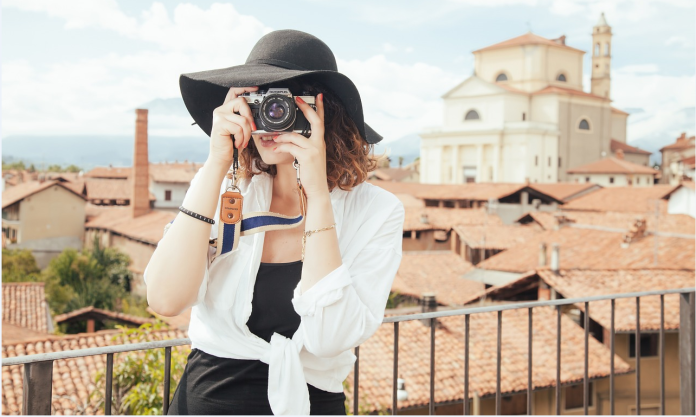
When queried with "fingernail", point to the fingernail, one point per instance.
{"points": [[253, 123], [321, 97], [300, 99]]}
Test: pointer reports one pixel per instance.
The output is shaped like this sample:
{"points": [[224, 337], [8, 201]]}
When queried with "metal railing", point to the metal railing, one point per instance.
{"points": [[38, 369]]}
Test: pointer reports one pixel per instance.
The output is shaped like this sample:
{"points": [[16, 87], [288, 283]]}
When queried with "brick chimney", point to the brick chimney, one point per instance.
{"points": [[620, 153], [140, 197], [635, 232], [428, 304]]}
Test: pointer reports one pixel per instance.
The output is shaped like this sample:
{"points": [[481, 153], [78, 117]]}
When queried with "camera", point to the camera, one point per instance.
{"points": [[274, 111]]}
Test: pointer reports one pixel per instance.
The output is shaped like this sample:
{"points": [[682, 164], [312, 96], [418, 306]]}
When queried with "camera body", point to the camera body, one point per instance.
{"points": [[274, 111]]}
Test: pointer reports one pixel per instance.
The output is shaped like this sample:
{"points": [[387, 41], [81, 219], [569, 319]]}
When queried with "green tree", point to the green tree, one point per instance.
{"points": [[54, 168], [97, 277], [138, 377], [19, 165], [19, 265], [73, 168]]}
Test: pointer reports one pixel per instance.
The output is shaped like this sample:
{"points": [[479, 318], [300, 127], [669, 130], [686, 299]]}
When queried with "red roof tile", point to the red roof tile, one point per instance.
{"points": [[438, 272], [568, 91], [24, 304], [616, 145], [494, 236], [439, 218], [671, 223], [563, 191], [618, 111], [21, 191], [110, 189], [92, 312], [612, 165], [625, 199], [376, 358], [392, 174], [148, 228], [526, 39], [682, 142]]}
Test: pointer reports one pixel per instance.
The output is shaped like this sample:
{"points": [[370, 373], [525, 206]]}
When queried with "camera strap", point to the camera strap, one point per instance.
{"points": [[233, 223]]}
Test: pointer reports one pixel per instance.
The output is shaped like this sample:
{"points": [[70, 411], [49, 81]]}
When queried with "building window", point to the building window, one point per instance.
{"points": [[606, 49], [611, 180], [587, 179], [596, 49], [167, 195], [637, 180], [524, 116], [584, 125], [561, 77], [549, 162], [559, 161], [574, 396], [536, 160], [469, 174], [648, 345], [501, 77], [472, 115]]}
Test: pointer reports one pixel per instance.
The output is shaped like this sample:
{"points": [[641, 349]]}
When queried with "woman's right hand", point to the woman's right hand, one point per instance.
{"points": [[232, 126]]}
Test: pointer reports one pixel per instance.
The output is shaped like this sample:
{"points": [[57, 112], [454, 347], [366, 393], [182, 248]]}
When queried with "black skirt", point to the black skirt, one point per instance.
{"points": [[214, 385]]}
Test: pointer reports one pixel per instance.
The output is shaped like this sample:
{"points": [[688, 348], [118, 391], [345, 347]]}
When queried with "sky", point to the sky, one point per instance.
{"points": [[81, 67]]}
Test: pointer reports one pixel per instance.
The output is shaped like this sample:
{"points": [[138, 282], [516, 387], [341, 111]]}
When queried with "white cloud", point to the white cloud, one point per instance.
{"points": [[677, 40]]}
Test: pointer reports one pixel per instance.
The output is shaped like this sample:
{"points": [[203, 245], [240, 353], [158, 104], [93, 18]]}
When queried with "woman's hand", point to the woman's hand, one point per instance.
{"points": [[310, 152], [232, 119]]}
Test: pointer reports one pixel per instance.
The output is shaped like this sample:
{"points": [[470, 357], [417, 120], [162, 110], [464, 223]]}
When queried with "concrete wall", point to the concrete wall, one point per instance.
{"points": [[620, 180], [178, 193], [53, 212]]}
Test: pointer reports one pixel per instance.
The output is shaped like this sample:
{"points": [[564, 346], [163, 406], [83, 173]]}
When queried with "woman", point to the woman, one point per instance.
{"points": [[276, 315]]}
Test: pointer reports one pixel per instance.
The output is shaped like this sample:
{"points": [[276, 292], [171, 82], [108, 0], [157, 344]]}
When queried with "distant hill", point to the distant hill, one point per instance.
{"points": [[406, 146]]}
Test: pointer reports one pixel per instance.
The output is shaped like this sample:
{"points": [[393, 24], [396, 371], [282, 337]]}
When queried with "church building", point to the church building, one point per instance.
{"points": [[523, 115]]}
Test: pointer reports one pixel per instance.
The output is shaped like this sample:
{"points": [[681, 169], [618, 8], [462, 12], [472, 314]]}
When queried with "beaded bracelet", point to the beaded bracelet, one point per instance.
{"points": [[196, 215]]}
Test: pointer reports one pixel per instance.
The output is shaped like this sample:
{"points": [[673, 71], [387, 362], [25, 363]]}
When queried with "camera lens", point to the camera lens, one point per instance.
{"points": [[276, 111]]}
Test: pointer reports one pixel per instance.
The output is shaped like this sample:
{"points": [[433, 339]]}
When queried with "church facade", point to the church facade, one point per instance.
{"points": [[523, 115]]}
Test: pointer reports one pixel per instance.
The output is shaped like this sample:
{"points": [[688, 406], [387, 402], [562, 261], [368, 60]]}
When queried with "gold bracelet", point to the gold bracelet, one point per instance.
{"points": [[308, 233]]}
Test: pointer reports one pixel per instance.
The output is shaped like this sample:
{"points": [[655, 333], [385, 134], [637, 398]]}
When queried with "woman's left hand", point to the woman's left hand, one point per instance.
{"points": [[310, 152]]}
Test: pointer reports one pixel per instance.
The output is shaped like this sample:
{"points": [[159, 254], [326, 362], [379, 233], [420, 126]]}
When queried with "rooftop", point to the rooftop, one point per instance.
{"points": [[624, 199], [612, 165], [528, 38]]}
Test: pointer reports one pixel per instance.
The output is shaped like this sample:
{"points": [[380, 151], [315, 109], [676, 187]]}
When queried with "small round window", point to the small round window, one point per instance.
{"points": [[501, 77], [561, 77]]}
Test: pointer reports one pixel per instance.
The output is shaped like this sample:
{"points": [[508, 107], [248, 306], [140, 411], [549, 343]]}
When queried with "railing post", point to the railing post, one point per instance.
{"points": [[167, 377], [109, 383], [38, 388], [356, 380], [395, 379], [686, 353]]}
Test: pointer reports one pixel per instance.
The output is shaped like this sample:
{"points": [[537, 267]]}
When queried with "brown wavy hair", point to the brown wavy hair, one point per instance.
{"points": [[349, 158]]}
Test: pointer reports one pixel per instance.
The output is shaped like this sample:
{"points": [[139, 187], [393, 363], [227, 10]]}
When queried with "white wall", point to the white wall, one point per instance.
{"points": [[683, 201]]}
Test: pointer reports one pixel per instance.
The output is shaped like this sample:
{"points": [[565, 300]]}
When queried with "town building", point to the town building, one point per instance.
{"points": [[678, 160], [614, 171], [523, 115]]}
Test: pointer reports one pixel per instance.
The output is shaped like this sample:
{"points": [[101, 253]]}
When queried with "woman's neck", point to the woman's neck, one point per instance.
{"points": [[285, 181]]}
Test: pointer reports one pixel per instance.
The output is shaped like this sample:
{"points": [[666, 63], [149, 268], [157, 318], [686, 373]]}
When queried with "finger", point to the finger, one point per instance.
{"points": [[243, 122], [234, 92], [226, 128], [240, 105], [311, 115], [320, 106], [292, 149], [294, 138]]}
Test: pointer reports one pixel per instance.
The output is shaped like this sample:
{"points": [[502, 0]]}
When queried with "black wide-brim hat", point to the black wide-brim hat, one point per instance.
{"points": [[278, 56]]}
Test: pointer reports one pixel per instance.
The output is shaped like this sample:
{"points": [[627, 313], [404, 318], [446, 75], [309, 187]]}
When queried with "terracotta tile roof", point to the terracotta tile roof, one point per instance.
{"points": [[568, 91], [440, 218], [682, 142], [612, 165], [92, 312], [147, 228], [670, 223], [583, 283], [398, 187], [508, 87], [528, 38], [438, 272], [180, 322], [479, 191], [596, 249], [376, 358], [15, 334], [109, 172], [15, 176], [618, 111], [110, 189], [73, 379], [392, 174], [21, 191], [24, 304], [626, 199], [563, 191], [689, 161], [616, 145], [496, 236]]}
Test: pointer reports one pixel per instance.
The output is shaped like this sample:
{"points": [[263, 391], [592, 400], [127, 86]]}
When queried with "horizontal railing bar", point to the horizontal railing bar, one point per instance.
{"points": [[515, 306], [77, 353]]}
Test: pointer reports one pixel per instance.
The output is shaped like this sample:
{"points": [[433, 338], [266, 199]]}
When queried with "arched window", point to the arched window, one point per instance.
{"points": [[501, 77], [596, 49], [584, 125], [472, 115], [606, 49], [561, 77]]}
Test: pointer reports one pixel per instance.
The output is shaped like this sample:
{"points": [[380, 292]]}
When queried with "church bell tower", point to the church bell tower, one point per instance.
{"points": [[601, 58]]}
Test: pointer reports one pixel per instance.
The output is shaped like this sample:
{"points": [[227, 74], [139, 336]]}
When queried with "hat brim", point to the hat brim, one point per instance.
{"points": [[204, 91]]}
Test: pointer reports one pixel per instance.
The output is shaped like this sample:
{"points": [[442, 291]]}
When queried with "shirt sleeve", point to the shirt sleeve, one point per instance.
{"points": [[211, 251], [346, 307]]}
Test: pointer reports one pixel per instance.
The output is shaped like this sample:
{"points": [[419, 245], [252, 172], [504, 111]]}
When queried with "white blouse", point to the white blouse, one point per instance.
{"points": [[339, 312]]}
